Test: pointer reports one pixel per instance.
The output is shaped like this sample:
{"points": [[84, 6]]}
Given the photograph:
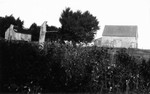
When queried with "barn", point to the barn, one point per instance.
{"points": [[120, 36]]}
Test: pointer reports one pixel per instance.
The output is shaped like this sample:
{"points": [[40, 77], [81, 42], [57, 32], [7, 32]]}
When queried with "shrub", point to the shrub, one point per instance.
{"points": [[60, 68], [22, 66]]}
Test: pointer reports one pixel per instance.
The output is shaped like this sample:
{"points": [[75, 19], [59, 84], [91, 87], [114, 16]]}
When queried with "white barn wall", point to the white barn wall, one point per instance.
{"points": [[123, 42]]}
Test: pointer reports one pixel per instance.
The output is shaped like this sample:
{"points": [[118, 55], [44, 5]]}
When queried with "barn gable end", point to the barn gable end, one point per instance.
{"points": [[120, 36]]}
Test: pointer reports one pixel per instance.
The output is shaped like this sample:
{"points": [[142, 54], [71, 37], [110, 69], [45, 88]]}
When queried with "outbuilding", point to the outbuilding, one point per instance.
{"points": [[120, 36]]}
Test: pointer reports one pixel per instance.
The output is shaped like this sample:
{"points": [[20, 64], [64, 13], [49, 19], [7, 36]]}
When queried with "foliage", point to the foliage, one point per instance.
{"points": [[60, 68], [50, 35], [77, 26], [22, 66], [35, 30]]}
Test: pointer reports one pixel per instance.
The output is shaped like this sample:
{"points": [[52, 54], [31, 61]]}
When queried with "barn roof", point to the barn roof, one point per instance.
{"points": [[120, 30]]}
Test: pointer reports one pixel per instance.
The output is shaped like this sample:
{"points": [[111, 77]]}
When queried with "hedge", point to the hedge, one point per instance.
{"points": [[60, 68]]}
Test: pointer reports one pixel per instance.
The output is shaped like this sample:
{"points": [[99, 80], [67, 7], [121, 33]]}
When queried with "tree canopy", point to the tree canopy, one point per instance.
{"points": [[52, 33], [77, 26], [35, 31]]}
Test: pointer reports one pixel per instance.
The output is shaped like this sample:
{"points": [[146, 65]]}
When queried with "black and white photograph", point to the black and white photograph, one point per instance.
{"points": [[74, 46]]}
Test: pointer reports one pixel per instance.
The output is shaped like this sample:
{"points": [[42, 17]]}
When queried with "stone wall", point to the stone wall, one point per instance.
{"points": [[10, 34]]}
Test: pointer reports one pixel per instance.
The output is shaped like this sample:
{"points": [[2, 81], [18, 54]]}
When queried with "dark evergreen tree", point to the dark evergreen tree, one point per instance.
{"points": [[52, 33], [77, 26], [35, 30]]}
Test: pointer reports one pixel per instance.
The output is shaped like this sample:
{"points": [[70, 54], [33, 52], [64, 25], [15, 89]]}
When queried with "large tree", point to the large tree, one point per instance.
{"points": [[77, 26], [6, 21]]}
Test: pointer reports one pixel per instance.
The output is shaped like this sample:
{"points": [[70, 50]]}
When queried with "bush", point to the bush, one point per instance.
{"points": [[22, 66], [60, 68]]}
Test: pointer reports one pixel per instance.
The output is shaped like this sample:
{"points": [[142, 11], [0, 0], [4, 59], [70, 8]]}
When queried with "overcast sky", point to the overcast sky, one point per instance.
{"points": [[108, 12]]}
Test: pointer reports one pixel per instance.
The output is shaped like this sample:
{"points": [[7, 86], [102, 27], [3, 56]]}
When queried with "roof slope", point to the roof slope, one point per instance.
{"points": [[120, 30]]}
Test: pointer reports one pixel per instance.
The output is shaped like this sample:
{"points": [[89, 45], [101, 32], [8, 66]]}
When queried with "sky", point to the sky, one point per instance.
{"points": [[108, 12]]}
